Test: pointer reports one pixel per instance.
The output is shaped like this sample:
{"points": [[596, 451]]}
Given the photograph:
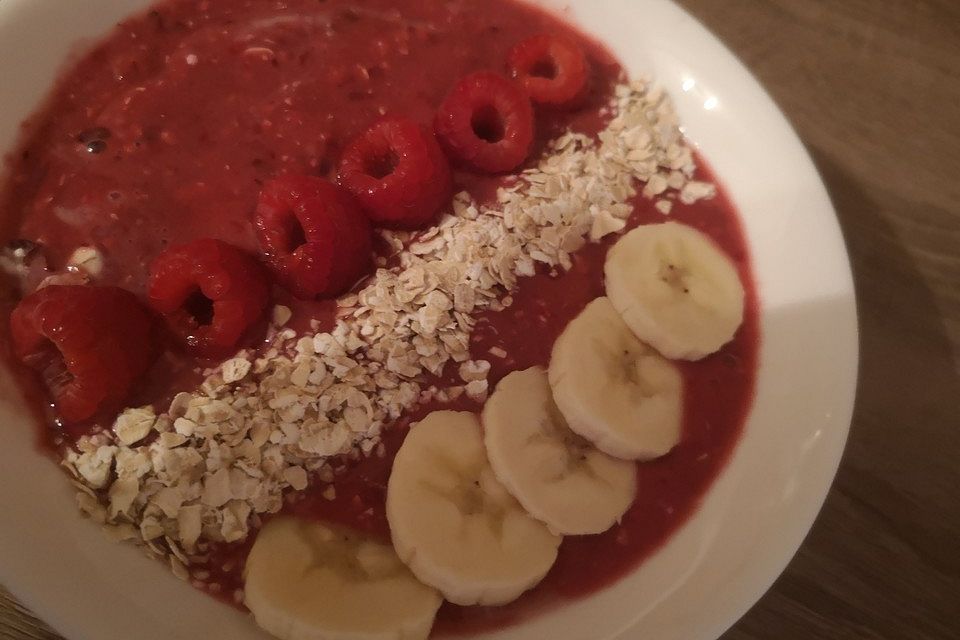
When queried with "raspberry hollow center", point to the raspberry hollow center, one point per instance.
{"points": [[544, 68], [381, 164], [487, 124], [296, 236], [200, 308]]}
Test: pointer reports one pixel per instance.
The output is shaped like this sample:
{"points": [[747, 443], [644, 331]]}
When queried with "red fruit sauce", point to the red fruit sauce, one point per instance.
{"points": [[166, 130]]}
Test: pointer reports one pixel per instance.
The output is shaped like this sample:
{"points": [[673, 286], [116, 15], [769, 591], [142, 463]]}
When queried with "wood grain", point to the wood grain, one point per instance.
{"points": [[874, 91]]}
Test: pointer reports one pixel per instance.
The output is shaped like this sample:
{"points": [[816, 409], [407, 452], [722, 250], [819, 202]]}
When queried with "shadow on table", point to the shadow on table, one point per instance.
{"points": [[906, 430]]}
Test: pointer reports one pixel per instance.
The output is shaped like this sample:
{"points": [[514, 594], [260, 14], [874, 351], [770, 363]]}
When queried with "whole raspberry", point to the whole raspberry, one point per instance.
{"points": [[314, 234], [553, 70], [90, 345], [398, 173], [486, 122], [210, 293]]}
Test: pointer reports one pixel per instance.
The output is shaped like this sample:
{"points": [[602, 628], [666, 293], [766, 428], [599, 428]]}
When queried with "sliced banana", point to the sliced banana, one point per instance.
{"points": [[454, 524], [676, 289], [307, 581], [559, 477], [614, 390]]}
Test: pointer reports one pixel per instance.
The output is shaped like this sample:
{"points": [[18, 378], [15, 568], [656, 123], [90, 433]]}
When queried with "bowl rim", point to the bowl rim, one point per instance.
{"points": [[718, 79]]}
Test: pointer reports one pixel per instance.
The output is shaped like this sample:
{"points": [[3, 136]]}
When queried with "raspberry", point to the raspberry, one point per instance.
{"points": [[398, 173], [486, 122], [316, 238], [90, 345], [552, 70], [210, 293]]}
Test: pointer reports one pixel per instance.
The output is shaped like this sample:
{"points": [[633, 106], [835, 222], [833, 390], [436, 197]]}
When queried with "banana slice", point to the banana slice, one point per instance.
{"points": [[558, 477], [307, 581], [454, 524], [613, 390], [676, 289]]}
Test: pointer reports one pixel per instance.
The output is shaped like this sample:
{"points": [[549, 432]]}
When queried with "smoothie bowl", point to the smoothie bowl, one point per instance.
{"points": [[403, 319]]}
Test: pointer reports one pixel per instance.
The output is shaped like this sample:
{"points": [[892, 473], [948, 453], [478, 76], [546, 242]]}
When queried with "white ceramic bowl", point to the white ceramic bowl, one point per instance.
{"points": [[753, 519]]}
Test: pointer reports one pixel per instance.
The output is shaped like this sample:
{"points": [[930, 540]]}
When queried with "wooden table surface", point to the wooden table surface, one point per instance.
{"points": [[874, 91]]}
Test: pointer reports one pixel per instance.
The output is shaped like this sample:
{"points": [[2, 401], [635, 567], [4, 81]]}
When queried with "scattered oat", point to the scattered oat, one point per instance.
{"points": [[235, 370], [296, 477], [134, 425], [497, 352], [693, 191], [477, 390], [472, 370], [178, 569], [656, 185], [281, 315], [604, 224], [93, 466], [122, 494]]}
